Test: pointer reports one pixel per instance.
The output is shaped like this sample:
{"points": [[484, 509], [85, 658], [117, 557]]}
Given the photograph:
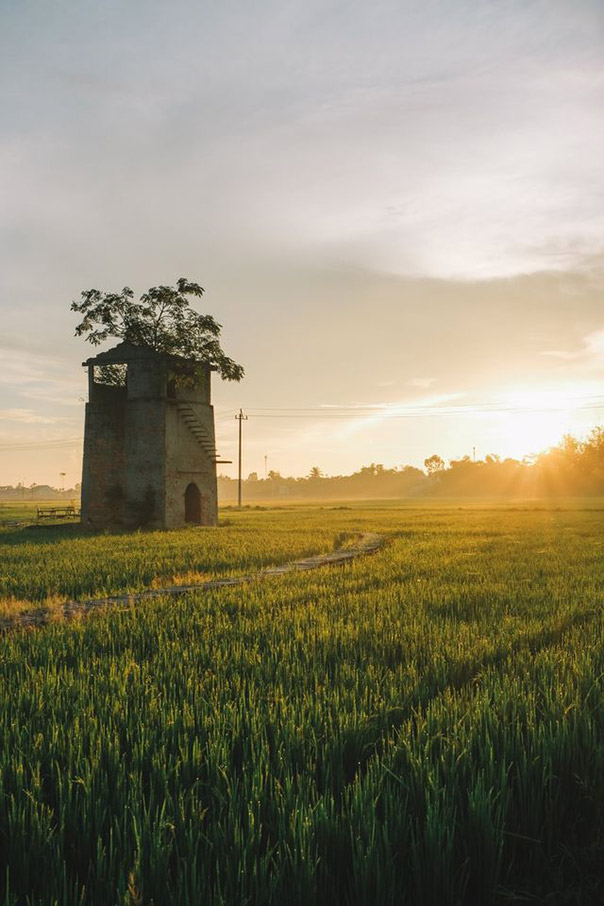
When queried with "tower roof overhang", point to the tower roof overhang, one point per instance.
{"points": [[124, 353]]}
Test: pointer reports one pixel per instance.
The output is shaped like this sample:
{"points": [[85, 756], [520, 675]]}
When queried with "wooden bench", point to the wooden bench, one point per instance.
{"points": [[57, 512]]}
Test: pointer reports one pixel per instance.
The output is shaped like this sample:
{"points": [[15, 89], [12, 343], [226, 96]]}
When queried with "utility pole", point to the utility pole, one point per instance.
{"points": [[474, 453], [240, 418], [266, 466]]}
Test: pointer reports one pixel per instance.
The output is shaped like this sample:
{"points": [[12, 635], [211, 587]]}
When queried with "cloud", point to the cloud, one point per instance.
{"points": [[381, 412], [422, 382], [308, 161], [560, 354], [30, 373], [418, 139], [29, 417], [592, 351]]}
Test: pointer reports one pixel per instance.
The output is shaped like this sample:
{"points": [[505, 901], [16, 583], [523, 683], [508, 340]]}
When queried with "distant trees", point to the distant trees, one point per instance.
{"points": [[373, 469], [574, 467], [373, 480], [434, 464], [36, 491]]}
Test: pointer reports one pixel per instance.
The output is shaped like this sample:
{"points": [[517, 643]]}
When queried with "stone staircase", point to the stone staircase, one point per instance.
{"points": [[199, 431]]}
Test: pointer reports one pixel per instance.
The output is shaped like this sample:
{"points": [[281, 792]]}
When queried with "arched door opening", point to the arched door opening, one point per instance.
{"points": [[193, 504]]}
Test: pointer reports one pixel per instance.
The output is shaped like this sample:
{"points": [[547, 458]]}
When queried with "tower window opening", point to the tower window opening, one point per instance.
{"points": [[111, 375]]}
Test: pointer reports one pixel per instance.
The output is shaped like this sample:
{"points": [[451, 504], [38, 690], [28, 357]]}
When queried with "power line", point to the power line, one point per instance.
{"points": [[380, 406], [420, 413], [410, 411], [346, 412], [42, 445]]}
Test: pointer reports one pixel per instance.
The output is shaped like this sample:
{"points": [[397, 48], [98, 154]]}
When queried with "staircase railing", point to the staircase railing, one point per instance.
{"points": [[198, 430]]}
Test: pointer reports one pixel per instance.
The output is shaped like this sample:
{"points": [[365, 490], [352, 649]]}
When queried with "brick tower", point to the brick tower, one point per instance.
{"points": [[149, 443]]}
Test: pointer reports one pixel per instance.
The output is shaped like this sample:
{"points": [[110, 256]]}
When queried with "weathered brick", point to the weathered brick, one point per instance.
{"points": [[145, 443]]}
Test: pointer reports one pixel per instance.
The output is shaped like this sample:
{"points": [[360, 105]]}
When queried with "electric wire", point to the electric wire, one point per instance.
{"points": [[369, 413]]}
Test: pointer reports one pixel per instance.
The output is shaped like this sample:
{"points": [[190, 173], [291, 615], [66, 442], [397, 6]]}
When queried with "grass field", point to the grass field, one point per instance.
{"points": [[25, 510], [423, 726]]}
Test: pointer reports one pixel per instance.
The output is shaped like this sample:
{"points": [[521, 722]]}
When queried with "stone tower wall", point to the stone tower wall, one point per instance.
{"points": [[187, 462], [104, 457], [145, 444], [144, 471]]}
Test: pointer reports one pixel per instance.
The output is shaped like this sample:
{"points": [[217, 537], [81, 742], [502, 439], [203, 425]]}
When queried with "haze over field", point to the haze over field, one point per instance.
{"points": [[395, 208]]}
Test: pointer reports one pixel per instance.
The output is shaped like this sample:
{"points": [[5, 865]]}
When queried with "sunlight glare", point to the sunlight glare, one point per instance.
{"points": [[533, 420]]}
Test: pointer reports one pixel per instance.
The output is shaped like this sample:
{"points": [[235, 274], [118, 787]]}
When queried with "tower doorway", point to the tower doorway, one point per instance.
{"points": [[193, 504]]}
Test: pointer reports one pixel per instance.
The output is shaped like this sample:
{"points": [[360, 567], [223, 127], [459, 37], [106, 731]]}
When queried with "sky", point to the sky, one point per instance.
{"points": [[396, 210]]}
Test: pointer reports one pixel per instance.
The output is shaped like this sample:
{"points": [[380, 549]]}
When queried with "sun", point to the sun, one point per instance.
{"points": [[530, 421]]}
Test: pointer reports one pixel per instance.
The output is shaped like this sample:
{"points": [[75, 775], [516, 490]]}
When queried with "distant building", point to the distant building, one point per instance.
{"points": [[149, 443]]}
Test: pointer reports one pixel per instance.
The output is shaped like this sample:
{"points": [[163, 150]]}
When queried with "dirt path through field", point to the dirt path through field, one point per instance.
{"points": [[366, 543]]}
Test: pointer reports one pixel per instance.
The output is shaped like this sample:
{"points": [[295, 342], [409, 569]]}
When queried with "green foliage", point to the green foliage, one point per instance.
{"points": [[370, 482], [423, 726], [161, 319], [112, 375]]}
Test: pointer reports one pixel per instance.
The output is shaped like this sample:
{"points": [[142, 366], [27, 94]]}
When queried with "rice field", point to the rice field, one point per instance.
{"points": [[422, 726]]}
